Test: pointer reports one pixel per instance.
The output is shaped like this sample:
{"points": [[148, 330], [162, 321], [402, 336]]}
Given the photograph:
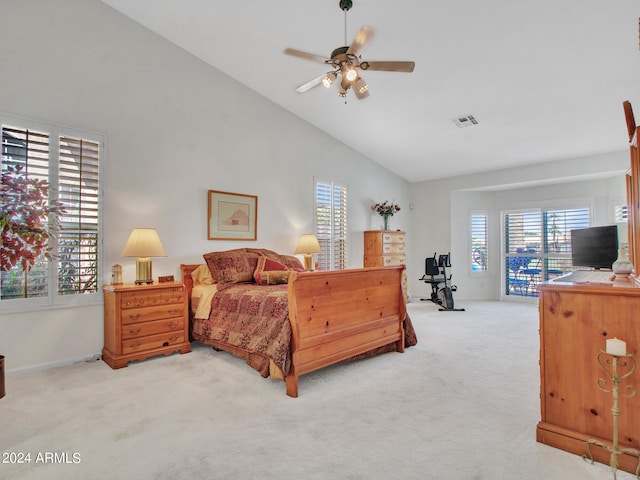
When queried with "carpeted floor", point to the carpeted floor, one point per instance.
{"points": [[462, 404]]}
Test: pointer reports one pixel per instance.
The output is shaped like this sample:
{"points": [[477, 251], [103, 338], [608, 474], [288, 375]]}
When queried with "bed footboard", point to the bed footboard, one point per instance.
{"points": [[339, 314]]}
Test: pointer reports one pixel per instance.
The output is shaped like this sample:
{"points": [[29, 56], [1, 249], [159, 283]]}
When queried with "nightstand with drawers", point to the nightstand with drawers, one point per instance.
{"points": [[386, 248], [141, 321]]}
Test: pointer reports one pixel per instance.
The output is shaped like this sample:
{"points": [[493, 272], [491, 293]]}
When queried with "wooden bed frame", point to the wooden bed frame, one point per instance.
{"points": [[337, 315]]}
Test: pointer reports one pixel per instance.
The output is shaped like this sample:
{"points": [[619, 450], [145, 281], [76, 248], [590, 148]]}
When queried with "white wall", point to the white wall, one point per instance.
{"points": [[175, 128], [441, 209]]}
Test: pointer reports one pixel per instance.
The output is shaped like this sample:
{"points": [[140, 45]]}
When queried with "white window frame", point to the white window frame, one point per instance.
{"points": [[53, 299]]}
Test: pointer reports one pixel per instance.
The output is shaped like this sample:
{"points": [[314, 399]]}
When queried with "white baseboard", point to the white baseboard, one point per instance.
{"points": [[61, 363]]}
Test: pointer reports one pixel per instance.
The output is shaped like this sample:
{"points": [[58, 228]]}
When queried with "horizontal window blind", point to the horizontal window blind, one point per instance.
{"points": [[479, 239], [557, 239], [331, 225], [538, 247], [78, 190], [25, 152]]}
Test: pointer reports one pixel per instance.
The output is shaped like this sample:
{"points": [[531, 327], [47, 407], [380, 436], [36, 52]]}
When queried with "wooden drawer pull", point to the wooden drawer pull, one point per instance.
{"points": [[135, 345], [134, 316], [136, 331], [173, 311], [173, 324]]}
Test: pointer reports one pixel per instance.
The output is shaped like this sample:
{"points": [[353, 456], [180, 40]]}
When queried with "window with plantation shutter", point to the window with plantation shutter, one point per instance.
{"points": [[24, 152], [620, 213], [479, 242], [65, 166], [79, 192], [331, 225], [537, 247]]}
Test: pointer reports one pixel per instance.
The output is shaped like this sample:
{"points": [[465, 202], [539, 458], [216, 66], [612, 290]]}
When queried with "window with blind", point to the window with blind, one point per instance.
{"points": [[479, 252], [620, 213], [68, 163], [331, 225], [537, 247]]}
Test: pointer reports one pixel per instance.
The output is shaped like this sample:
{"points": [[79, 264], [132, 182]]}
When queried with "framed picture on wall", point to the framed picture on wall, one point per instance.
{"points": [[232, 216]]}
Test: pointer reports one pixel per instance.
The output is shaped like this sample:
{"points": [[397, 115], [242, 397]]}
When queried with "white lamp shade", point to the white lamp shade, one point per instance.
{"points": [[308, 243], [143, 242]]}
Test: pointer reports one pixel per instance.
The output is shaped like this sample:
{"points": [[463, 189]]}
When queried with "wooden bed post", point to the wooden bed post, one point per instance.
{"points": [[292, 383]]}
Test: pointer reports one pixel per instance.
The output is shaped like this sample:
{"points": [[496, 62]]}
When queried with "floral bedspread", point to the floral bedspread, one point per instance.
{"points": [[252, 320]]}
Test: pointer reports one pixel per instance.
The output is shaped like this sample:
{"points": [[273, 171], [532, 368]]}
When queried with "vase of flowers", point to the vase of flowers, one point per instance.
{"points": [[385, 210]]}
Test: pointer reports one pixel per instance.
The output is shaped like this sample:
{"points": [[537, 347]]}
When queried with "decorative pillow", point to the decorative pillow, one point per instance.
{"points": [[232, 266], [202, 276], [274, 277], [270, 272], [293, 263], [263, 251]]}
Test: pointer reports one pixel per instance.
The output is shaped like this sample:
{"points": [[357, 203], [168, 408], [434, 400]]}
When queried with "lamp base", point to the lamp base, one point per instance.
{"points": [[143, 271], [308, 262]]}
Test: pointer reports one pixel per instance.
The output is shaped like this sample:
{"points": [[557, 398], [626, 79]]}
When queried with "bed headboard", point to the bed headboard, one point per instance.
{"points": [[185, 271]]}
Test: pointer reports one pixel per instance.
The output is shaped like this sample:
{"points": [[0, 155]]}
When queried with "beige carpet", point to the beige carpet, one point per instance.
{"points": [[462, 404]]}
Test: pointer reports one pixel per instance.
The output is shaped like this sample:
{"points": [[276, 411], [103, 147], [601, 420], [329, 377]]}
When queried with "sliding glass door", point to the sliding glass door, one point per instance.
{"points": [[537, 247]]}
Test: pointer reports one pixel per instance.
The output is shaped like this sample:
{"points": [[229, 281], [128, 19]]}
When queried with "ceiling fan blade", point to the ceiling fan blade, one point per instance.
{"points": [[306, 55], [310, 84], [363, 38], [389, 66]]}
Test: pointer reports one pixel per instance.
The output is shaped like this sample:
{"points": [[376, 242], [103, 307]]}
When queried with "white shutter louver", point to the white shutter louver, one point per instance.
{"points": [[331, 225], [538, 247], [26, 151], [479, 240], [78, 236]]}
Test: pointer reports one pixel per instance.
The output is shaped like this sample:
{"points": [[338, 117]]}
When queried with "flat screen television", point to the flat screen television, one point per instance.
{"points": [[594, 247]]}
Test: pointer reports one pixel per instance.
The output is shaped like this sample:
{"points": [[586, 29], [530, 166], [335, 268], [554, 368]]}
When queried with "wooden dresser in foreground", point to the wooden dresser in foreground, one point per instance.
{"points": [[386, 248], [575, 322], [141, 321]]}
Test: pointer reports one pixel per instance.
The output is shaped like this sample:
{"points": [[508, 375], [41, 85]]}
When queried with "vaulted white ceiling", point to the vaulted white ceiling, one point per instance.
{"points": [[545, 80]]}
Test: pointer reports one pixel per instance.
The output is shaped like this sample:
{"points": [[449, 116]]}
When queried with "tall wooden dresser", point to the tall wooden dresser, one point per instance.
{"points": [[576, 319], [386, 248], [141, 321]]}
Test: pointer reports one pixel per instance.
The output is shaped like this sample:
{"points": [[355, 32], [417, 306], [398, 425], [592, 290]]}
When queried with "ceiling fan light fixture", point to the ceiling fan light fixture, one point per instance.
{"points": [[350, 74], [361, 89], [345, 62], [328, 79]]}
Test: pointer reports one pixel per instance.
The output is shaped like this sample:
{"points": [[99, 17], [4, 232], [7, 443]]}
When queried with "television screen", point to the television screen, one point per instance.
{"points": [[595, 247]]}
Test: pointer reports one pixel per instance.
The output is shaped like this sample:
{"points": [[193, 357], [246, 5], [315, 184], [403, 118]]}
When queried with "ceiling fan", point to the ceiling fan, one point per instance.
{"points": [[346, 64]]}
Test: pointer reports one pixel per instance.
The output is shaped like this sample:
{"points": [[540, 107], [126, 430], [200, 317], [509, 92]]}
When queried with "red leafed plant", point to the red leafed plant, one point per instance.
{"points": [[26, 219]]}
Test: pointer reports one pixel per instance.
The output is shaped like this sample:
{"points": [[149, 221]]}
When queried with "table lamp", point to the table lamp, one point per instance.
{"points": [[143, 243], [308, 245]]}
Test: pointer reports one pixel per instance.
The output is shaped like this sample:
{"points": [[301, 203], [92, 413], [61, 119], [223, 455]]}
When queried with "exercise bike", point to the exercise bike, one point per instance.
{"points": [[436, 275]]}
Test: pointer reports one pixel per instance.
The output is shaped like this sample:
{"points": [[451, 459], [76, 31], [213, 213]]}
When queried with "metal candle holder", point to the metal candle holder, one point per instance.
{"points": [[614, 380]]}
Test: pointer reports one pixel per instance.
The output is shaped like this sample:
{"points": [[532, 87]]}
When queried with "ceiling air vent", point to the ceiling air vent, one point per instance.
{"points": [[465, 121]]}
